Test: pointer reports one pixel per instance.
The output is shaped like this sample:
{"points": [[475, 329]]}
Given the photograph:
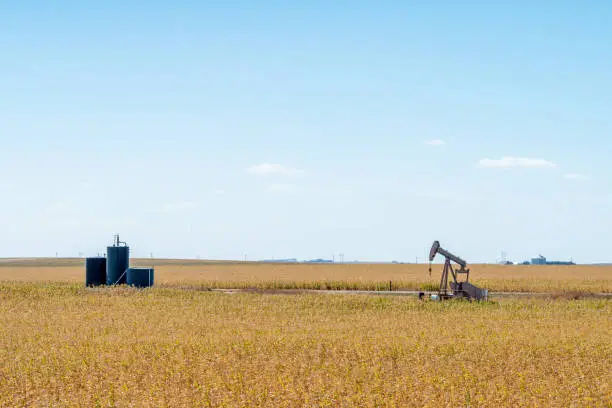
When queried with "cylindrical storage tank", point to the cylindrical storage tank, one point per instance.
{"points": [[117, 263], [140, 277], [95, 271]]}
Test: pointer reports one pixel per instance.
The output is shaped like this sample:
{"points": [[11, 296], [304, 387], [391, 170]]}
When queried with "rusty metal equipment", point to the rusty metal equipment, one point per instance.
{"points": [[457, 289]]}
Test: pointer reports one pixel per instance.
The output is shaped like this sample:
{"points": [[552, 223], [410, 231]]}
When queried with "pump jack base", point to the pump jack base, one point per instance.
{"points": [[437, 297]]}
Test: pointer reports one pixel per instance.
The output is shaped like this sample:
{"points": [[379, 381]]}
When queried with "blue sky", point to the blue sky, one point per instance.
{"points": [[216, 129]]}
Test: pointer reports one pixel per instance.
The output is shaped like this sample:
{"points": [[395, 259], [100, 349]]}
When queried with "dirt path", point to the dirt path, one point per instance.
{"points": [[492, 295]]}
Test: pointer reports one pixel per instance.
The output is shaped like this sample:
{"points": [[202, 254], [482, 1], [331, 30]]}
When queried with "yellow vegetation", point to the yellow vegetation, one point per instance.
{"points": [[65, 345], [515, 278]]}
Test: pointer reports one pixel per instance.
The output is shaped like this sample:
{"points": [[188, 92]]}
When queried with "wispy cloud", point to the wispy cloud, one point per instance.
{"points": [[85, 185], [177, 207], [438, 194], [7, 185], [509, 162], [219, 192], [281, 188], [435, 142], [58, 207], [574, 176], [266, 169], [457, 196]]}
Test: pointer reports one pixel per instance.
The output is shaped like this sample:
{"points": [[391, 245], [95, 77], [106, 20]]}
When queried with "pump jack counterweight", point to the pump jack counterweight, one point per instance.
{"points": [[457, 288]]}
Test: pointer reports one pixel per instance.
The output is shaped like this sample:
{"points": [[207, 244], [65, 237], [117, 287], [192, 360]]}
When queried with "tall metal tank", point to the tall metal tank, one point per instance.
{"points": [[117, 262], [95, 271], [140, 277]]}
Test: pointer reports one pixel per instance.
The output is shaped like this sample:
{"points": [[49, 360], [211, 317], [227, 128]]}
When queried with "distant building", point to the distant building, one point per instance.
{"points": [[560, 263], [319, 261], [540, 260]]}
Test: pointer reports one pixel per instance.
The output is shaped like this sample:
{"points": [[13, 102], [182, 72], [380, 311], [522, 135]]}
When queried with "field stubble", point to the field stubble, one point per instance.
{"points": [[65, 345]]}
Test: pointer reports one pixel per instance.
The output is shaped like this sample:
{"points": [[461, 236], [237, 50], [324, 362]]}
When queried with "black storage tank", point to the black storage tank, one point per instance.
{"points": [[95, 271], [140, 277], [117, 263]]}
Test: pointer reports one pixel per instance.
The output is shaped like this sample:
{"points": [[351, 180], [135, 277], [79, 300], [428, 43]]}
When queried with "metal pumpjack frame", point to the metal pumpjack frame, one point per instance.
{"points": [[446, 291], [456, 289]]}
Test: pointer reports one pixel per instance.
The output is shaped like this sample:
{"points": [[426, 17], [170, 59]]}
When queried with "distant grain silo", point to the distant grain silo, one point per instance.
{"points": [[117, 263], [95, 271], [140, 277]]}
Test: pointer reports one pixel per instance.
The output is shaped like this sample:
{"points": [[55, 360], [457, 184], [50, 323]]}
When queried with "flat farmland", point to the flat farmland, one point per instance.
{"points": [[173, 273], [64, 345]]}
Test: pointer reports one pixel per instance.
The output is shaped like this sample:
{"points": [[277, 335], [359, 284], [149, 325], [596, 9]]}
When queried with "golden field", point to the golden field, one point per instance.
{"points": [[63, 345], [512, 278]]}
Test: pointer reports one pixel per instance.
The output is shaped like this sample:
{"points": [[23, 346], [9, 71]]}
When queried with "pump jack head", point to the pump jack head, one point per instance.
{"points": [[434, 250]]}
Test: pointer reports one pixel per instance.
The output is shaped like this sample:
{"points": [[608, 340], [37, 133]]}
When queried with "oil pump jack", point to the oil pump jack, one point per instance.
{"points": [[456, 289]]}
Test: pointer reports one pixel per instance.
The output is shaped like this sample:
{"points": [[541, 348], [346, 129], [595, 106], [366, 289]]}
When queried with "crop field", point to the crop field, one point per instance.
{"points": [[174, 273], [179, 345], [65, 345]]}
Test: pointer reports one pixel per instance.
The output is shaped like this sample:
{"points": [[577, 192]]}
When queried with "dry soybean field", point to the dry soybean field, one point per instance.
{"points": [[181, 273], [177, 345]]}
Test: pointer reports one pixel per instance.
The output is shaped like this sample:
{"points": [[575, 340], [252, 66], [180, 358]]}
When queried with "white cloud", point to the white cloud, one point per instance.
{"points": [[180, 206], [219, 192], [438, 194], [6, 184], [266, 169], [85, 185], [281, 188], [574, 176], [508, 162], [57, 207], [435, 142], [461, 196]]}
